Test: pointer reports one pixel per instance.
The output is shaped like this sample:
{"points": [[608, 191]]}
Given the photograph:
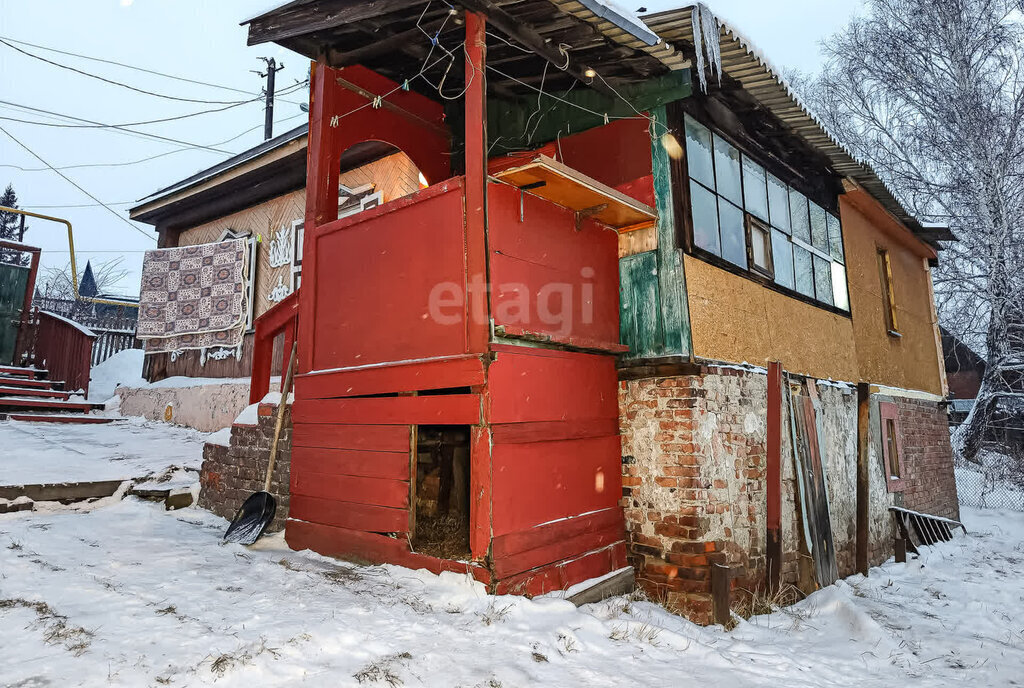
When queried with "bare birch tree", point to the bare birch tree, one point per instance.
{"points": [[931, 93]]}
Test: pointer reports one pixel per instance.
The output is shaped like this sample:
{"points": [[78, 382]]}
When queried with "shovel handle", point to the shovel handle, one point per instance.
{"points": [[280, 416]]}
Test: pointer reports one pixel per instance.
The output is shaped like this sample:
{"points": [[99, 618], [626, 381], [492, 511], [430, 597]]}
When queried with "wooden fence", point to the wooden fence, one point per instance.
{"points": [[110, 341], [62, 347]]}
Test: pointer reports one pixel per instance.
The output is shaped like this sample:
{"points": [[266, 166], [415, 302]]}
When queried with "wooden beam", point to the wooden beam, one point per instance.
{"points": [[320, 16], [529, 37], [773, 478], [863, 502]]}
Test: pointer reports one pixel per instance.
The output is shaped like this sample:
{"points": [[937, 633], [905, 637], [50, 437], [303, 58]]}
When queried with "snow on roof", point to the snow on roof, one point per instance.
{"points": [[621, 17], [81, 328]]}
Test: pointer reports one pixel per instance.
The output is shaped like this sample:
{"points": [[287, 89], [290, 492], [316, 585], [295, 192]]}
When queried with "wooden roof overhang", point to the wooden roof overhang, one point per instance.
{"points": [[753, 89], [529, 42]]}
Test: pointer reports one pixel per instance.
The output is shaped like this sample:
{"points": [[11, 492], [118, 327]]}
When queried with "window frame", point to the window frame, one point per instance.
{"points": [[684, 221], [889, 417], [297, 228], [753, 221], [885, 280], [252, 242]]}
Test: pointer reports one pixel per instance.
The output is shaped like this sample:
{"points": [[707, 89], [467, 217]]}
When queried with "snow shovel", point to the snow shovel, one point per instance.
{"points": [[256, 513]]}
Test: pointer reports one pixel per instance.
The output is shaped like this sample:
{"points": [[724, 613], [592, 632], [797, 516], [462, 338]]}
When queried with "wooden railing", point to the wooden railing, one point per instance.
{"points": [[282, 318], [63, 348]]}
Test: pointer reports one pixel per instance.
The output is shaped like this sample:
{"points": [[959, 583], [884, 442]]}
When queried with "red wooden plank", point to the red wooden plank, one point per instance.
{"points": [[457, 371], [627, 142], [368, 464], [28, 382], [508, 545], [442, 409], [480, 487], [545, 481], [58, 418], [540, 431], [389, 286], [368, 517], [33, 392], [547, 276], [564, 574], [533, 385], [15, 402], [332, 541], [17, 371], [558, 551], [347, 488], [394, 438]]}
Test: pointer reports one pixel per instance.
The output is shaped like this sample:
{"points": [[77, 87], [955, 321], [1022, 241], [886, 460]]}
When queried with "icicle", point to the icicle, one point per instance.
{"points": [[706, 43]]}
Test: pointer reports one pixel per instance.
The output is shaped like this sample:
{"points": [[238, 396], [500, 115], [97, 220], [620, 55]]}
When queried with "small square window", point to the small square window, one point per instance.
{"points": [[778, 203], [759, 238], [705, 219], [782, 257], [835, 238], [727, 171], [698, 153], [734, 235], [892, 446], [823, 279], [799, 217], [803, 270], [819, 227], [755, 190]]}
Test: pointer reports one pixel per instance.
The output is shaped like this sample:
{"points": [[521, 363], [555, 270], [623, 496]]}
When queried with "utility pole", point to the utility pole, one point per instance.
{"points": [[272, 68]]}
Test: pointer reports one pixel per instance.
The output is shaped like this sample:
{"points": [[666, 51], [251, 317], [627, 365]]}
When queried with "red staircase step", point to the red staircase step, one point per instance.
{"points": [[18, 371], [29, 404], [33, 392], [59, 418], [24, 382]]}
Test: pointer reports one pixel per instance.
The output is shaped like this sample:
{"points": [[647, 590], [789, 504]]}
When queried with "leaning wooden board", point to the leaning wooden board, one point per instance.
{"points": [[558, 183]]}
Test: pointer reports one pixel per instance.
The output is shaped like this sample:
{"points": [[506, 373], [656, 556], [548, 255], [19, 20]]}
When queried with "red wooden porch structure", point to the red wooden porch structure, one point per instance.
{"points": [[466, 331]]}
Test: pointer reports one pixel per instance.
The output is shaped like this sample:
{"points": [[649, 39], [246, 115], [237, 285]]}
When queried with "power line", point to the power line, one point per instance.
{"points": [[115, 127], [128, 124], [112, 81], [73, 205], [72, 182], [142, 160], [136, 68]]}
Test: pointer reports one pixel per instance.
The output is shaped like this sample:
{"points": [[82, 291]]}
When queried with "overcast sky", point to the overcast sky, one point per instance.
{"points": [[202, 41]]}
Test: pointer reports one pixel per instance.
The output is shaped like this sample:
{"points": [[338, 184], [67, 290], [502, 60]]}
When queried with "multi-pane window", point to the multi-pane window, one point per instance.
{"points": [[750, 218]]}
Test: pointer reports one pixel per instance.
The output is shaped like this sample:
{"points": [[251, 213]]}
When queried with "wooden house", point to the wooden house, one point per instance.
{"points": [[260, 194], [647, 309]]}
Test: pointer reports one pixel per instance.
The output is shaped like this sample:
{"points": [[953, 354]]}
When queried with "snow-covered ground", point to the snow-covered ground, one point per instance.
{"points": [[130, 448], [133, 595], [123, 368]]}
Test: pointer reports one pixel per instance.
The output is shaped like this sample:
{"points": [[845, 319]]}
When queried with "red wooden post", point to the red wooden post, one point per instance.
{"points": [[773, 477], [478, 330], [477, 322], [321, 197]]}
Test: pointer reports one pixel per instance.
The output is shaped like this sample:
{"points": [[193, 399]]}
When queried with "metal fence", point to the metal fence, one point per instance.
{"points": [[996, 482]]}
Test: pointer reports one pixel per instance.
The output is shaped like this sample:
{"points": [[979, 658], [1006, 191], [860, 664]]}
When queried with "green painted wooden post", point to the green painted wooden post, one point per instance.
{"points": [[640, 323], [671, 277]]}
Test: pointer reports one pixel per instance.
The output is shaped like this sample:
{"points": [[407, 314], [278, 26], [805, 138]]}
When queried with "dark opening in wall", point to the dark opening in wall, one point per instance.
{"points": [[441, 526]]}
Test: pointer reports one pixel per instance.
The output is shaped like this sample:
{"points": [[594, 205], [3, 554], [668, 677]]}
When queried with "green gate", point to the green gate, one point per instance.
{"points": [[13, 283]]}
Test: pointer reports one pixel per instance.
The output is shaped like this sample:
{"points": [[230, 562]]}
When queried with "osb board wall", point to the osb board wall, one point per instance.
{"points": [[738, 320], [912, 360], [394, 176]]}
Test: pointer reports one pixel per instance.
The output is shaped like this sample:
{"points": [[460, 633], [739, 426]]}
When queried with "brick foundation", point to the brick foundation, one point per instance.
{"points": [[694, 461], [231, 473]]}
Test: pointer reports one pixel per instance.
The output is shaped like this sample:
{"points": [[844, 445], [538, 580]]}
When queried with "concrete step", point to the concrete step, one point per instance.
{"points": [[61, 492], [6, 391], [68, 418], [34, 404]]}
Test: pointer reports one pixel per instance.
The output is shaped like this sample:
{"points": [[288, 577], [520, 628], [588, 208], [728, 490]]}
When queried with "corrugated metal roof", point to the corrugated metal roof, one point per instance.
{"points": [[744, 63]]}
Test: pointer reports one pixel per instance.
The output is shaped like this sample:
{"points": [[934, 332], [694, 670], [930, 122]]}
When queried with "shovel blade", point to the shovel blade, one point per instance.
{"points": [[252, 518]]}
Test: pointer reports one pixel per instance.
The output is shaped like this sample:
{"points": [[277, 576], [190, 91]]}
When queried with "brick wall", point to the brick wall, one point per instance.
{"points": [[929, 485], [693, 481], [231, 473]]}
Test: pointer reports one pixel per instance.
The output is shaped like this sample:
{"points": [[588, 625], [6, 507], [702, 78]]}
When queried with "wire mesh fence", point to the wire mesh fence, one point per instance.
{"points": [[996, 481]]}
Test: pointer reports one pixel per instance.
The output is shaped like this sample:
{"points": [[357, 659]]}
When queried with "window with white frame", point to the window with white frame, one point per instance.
{"points": [[297, 236], [746, 216]]}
